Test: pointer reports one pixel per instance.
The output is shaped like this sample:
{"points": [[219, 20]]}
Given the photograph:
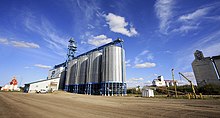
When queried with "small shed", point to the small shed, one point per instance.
{"points": [[147, 92]]}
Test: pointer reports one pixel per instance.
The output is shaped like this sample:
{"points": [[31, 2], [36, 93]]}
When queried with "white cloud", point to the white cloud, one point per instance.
{"points": [[135, 79], [90, 26], [89, 8], [99, 40], [138, 60], [148, 83], [150, 56], [209, 45], [56, 42], [195, 15], [145, 65], [21, 44], [213, 17], [118, 24], [28, 67], [127, 62], [212, 50], [167, 52], [24, 44], [3, 41], [42, 66], [164, 13], [128, 65], [134, 82], [189, 21], [141, 57], [185, 28], [144, 52]]}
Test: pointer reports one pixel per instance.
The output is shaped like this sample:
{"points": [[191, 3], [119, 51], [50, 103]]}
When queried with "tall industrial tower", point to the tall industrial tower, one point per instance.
{"points": [[71, 49], [205, 69]]}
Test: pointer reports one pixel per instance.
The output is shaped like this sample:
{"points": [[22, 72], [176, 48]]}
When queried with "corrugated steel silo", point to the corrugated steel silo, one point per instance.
{"points": [[81, 70], [69, 64], [94, 67], [113, 64], [71, 69], [73, 72]]}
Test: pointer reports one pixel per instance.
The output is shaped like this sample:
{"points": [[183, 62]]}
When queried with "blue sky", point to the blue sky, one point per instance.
{"points": [[158, 34]]}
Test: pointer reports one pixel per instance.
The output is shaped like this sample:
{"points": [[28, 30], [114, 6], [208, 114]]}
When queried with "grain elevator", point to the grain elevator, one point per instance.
{"points": [[100, 71]]}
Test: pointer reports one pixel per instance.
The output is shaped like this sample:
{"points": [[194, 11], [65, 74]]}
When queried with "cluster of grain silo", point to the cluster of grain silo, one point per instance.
{"points": [[98, 72]]}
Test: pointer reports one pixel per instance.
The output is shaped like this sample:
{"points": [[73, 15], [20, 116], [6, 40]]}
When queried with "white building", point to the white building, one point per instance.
{"points": [[170, 83], [159, 81], [48, 85], [55, 73], [54, 81], [147, 92], [12, 86]]}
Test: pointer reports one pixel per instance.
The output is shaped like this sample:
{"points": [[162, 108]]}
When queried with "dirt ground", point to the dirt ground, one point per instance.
{"points": [[62, 105]]}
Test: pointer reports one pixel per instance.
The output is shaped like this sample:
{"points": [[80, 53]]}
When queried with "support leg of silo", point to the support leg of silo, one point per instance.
{"points": [[105, 89], [76, 89], [101, 91], [112, 89], [122, 90], [125, 89], [87, 89], [116, 89], [108, 88], [90, 89]]}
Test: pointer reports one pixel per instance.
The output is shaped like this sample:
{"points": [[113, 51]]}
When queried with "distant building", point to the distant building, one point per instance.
{"points": [[55, 81], [161, 82], [12, 86], [59, 72], [170, 83], [147, 92], [47, 85], [206, 69]]}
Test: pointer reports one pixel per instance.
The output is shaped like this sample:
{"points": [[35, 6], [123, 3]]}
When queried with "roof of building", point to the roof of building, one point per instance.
{"points": [[168, 80], [40, 81], [216, 57], [60, 65]]}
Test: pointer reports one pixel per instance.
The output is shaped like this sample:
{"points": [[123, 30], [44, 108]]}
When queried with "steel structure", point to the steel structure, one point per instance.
{"points": [[100, 71], [192, 86], [93, 78], [71, 49]]}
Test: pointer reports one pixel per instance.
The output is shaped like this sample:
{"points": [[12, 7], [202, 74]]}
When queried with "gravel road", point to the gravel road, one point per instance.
{"points": [[68, 105]]}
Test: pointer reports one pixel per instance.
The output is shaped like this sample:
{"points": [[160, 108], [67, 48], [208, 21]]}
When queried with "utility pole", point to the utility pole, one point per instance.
{"points": [[174, 82]]}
